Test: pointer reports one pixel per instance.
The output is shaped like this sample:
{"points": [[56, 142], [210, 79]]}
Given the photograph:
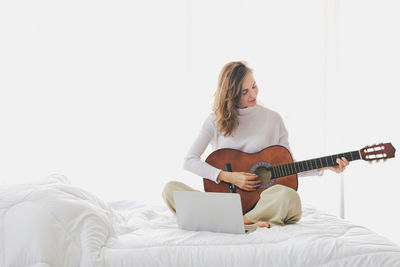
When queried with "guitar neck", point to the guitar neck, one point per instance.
{"points": [[312, 164]]}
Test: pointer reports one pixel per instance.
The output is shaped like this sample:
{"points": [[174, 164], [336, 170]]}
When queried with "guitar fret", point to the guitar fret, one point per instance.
{"points": [[277, 171], [306, 165], [356, 155]]}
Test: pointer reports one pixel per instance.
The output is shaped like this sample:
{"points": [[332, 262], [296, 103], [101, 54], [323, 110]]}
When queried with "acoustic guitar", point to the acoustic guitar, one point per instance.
{"points": [[274, 165]]}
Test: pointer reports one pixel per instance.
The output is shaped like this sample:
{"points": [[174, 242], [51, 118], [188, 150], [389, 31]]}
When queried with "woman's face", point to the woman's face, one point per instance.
{"points": [[249, 92]]}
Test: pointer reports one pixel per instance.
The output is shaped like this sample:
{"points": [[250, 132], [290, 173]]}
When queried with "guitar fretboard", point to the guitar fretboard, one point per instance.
{"points": [[312, 164]]}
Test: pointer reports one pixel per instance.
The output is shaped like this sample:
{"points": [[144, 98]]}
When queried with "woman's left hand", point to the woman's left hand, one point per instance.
{"points": [[342, 163]]}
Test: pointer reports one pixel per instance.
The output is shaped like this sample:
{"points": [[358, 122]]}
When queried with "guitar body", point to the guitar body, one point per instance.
{"points": [[254, 163], [276, 162]]}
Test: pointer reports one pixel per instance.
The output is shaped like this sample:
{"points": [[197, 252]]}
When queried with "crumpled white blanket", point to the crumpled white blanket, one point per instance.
{"points": [[54, 223]]}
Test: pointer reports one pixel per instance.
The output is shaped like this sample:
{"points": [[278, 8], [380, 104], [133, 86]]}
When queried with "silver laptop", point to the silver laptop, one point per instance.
{"points": [[214, 212]]}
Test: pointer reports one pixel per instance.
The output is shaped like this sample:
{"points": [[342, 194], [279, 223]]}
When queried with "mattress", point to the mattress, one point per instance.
{"points": [[53, 223]]}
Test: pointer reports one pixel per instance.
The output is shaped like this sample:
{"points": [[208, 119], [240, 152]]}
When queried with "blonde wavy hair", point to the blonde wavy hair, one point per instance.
{"points": [[228, 94]]}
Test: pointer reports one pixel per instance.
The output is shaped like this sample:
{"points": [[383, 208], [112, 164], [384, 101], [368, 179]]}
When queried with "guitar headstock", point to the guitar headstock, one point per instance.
{"points": [[377, 152]]}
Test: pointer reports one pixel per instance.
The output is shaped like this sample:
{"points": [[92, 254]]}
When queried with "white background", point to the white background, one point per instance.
{"points": [[112, 93]]}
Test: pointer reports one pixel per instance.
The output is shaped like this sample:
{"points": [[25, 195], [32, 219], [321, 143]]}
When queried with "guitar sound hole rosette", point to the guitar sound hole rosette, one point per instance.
{"points": [[262, 169]]}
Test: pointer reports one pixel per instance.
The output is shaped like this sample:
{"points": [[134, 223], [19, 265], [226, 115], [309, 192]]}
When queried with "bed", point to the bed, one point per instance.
{"points": [[53, 223]]}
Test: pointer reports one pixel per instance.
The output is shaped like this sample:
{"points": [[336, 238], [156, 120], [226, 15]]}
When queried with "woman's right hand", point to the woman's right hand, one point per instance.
{"points": [[243, 180]]}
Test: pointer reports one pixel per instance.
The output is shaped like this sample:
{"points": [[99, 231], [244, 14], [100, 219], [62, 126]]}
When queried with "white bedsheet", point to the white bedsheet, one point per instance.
{"points": [[56, 224]]}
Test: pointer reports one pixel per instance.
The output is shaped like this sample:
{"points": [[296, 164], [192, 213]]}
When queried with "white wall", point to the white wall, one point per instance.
{"points": [[111, 94], [369, 104]]}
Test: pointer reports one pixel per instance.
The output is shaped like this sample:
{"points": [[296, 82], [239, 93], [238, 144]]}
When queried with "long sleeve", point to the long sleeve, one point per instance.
{"points": [[193, 162], [284, 141]]}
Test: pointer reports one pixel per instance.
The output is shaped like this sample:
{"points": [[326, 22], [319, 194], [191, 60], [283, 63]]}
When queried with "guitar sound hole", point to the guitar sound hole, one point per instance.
{"points": [[263, 174]]}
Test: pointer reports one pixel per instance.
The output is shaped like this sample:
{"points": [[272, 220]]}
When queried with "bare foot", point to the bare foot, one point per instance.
{"points": [[246, 221], [258, 224], [262, 224]]}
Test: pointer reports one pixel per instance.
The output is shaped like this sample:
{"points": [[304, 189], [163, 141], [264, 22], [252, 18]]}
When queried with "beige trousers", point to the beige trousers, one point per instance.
{"points": [[278, 204]]}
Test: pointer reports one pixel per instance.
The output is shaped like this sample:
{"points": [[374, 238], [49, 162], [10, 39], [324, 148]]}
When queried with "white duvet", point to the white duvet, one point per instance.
{"points": [[56, 224]]}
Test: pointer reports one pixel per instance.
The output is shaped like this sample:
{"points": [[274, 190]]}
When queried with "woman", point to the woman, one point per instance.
{"points": [[239, 123]]}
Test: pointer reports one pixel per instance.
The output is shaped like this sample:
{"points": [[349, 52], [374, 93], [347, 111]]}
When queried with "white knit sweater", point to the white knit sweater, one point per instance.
{"points": [[258, 128]]}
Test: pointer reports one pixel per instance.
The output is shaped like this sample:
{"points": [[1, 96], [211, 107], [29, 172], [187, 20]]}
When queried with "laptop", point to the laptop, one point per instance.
{"points": [[206, 211]]}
